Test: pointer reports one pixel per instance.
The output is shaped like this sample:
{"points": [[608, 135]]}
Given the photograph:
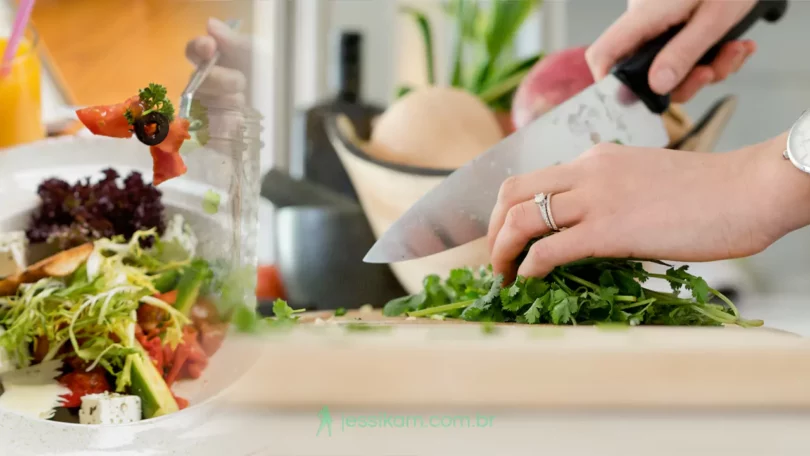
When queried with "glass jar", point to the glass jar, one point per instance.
{"points": [[224, 179]]}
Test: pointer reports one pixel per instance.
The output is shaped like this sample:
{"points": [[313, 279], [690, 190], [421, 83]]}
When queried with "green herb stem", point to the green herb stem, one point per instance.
{"points": [[637, 304], [579, 280], [441, 309]]}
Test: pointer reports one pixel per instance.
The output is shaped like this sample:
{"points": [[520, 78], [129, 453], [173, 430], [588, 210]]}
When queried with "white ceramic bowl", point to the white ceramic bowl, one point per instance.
{"points": [[190, 431]]}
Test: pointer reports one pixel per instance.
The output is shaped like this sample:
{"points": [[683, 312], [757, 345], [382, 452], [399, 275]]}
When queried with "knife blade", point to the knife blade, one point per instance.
{"points": [[621, 107]]}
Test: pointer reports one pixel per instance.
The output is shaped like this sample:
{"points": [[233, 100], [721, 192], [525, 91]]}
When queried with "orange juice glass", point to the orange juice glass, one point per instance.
{"points": [[20, 95]]}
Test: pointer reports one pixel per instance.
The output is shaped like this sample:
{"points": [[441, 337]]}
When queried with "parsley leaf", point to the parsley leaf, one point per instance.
{"points": [[154, 98]]}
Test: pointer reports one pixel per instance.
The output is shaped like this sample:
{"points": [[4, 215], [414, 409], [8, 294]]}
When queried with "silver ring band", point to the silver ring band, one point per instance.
{"points": [[541, 200], [548, 213]]}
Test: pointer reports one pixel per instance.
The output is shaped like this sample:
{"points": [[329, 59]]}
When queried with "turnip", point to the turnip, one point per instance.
{"points": [[435, 127], [553, 80]]}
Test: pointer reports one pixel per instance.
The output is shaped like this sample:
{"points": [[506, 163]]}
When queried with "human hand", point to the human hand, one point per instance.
{"points": [[673, 70], [227, 82], [632, 202]]}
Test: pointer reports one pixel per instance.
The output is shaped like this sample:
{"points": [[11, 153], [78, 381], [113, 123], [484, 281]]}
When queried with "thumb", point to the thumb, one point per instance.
{"points": [[708, 25]]}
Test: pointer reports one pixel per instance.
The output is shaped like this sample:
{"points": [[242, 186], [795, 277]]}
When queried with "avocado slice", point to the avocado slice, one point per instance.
{"points": [[188, 290], [147, 383], [166, 281]]}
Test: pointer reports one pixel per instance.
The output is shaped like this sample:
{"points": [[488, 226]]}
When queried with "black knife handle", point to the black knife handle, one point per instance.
{"points": [[634, 71]]}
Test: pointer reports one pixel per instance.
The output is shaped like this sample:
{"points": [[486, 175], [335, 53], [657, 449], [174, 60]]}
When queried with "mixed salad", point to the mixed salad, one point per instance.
{"points": [[113, 324], [103, 329]]}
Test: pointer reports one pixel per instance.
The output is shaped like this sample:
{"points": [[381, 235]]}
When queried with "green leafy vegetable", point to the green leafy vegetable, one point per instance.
{"points": [[427, 37], [340, 311], [590, 291], [248, 320], [485, 33], [211, 201], [365, 327], [154, 98], [199, 112], [489, 328]]}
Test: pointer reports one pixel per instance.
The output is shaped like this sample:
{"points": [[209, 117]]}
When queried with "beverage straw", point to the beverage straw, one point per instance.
{"points": [[17, 32]]}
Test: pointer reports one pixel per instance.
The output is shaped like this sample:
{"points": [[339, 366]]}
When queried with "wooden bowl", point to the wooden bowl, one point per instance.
{"points": [[386, 190]]}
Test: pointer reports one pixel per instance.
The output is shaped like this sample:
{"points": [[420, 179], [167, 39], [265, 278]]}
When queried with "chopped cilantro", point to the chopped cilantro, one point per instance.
{"points": [[365, 327]]}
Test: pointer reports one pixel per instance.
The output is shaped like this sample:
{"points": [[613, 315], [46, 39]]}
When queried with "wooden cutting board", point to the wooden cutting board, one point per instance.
{"points": [[433, 364]]}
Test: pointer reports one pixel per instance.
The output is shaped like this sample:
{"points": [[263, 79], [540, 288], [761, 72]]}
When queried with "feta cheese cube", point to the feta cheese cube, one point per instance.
{"points": [[13, 250], [107, 408], [178, 239]]}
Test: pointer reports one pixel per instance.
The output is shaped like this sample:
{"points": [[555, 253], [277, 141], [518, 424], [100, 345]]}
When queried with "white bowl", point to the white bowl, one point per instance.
{"points": [[184, 432]]}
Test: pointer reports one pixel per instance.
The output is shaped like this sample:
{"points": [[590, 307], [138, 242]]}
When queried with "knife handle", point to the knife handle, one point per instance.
{"points": [[634, 71]]}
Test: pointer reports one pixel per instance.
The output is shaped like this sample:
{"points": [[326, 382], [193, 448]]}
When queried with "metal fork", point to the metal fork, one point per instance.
{"points": [[196, 80]]}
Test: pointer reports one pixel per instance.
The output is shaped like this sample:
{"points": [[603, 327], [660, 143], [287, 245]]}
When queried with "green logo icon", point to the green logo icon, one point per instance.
{"points": [[326, 421]]}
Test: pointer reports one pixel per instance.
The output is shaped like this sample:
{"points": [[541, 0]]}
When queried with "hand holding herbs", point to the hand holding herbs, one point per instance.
{"points": [[586, 292], [634, 202]]}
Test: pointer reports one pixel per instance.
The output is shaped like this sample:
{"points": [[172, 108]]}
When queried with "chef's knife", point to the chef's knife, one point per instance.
{"points": [[621, 107]]}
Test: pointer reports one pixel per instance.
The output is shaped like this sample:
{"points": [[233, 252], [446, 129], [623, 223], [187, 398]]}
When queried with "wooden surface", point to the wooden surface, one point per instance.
{"points": [[524, 367], [103, 51]]}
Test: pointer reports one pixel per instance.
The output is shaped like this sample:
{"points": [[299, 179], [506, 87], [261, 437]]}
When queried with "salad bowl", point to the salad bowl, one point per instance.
{"points": [[220, 235]]}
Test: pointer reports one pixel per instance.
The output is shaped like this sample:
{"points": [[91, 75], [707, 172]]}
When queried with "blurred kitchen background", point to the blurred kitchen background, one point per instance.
{"points": [[305, 50]]}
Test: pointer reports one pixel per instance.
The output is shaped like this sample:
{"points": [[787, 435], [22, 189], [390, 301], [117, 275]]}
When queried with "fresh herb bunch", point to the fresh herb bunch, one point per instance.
{"points": [[482, 63], [154, 98], [590, 291]]}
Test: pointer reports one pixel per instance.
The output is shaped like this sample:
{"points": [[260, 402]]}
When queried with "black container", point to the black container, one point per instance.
{"points": [[312, 156]]}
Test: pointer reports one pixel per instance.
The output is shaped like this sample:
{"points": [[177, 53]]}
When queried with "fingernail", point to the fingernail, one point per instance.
{"points": [[664, 80]]}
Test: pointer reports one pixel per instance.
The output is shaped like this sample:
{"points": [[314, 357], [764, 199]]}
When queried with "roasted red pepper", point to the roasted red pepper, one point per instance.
{"points": [[82, 383]]}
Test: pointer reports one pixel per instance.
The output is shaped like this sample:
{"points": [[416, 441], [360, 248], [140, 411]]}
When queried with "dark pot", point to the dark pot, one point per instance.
{"points": [[320, 252]]}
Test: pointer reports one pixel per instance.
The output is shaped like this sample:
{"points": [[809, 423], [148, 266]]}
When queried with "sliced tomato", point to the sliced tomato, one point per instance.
{"points": [[108, 120], [153, 348], [211, 336], [81, 384], [180, 357], [150, 318], [169, 297], [166, 165], [181, 403], [268, 284], [189, 358], [178, 133]]}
